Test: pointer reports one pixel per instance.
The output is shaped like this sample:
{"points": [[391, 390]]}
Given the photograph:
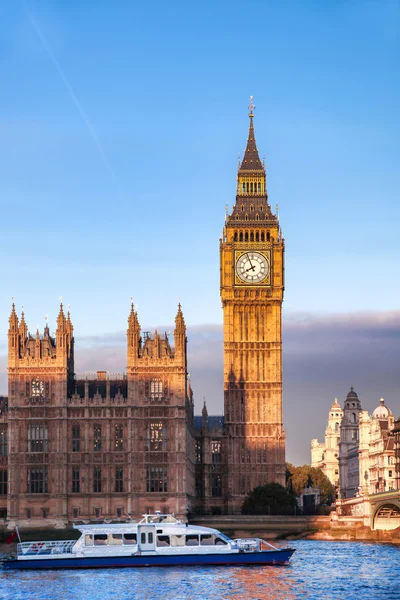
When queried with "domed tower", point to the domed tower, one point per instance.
{"points": [[348, 446], [383, 413]]}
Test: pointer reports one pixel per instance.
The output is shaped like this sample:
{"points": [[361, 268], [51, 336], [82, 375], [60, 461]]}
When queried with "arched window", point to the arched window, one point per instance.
{"points": [[241, 236], [251, 208], [246, 217], [259, 188], [235, 237], [268, 236], [336, 427], [243, 188], [246, 235], [257, 218], [156, 389], [257, 234], [252, 236], [262, 236], [242, 207], [353, 417], [261, 207]]}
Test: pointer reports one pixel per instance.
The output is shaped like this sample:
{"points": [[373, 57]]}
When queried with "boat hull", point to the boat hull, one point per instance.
{"points": [[270, 557]]}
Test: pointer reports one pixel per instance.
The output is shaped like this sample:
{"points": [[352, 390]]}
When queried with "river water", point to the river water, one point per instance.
{"points": [[321, 570]]}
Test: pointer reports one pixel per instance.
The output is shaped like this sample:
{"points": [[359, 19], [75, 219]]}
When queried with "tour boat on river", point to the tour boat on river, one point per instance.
{"points": [[156, 541]]}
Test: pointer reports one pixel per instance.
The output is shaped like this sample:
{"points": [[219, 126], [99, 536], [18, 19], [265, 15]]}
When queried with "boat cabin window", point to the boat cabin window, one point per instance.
{"points": [[150, 537], [206, 539], [177, 540], [163, 541], [115, 539], [219, 541], [88, 540], [130, 539], [143, 538], [100, 539], [192, 540]]}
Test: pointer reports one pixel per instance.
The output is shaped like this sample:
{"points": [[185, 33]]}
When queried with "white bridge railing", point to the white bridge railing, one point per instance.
{"points": [[36, 548]]}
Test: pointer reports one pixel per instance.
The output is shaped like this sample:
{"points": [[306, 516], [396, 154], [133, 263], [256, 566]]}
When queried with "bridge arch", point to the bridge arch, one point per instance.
{"points": [[387, 516]]}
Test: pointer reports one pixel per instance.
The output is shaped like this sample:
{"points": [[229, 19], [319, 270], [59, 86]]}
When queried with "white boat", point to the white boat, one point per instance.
{"points": [[157, 540]]}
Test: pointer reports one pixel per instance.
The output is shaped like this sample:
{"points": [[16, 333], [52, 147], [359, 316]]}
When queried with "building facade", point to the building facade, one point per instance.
{"points": [[101, 446], [325, 456]]}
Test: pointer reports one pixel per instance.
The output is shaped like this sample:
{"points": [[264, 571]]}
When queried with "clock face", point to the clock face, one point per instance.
{"points": [[37, 387], [252, 267]]}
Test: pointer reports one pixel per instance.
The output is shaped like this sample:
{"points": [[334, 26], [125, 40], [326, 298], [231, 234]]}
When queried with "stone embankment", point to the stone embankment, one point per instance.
{"points": [[296, 527]]}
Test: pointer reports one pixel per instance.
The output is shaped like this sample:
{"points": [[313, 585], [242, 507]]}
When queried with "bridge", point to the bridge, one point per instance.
{"points": [[379, 511]]}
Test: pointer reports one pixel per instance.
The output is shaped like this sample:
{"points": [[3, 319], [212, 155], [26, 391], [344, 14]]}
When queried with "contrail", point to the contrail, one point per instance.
{"points": [[72, 94]]}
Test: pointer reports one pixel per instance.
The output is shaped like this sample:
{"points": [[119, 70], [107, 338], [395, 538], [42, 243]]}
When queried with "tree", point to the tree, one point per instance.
{"points": [[297, 479], [271, 498]]}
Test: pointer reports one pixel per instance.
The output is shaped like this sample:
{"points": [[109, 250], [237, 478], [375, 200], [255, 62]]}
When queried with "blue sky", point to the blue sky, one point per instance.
{"points": [[128, 198]]}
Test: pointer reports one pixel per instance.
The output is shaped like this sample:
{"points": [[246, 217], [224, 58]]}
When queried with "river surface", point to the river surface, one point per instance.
{"points": [[321, 570]]}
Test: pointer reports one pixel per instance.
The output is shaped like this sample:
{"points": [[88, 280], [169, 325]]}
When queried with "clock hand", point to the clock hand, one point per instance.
{"points": [[250, 269]]}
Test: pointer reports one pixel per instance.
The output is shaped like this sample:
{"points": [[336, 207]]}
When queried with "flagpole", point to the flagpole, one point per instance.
{"points": [[16, 527]]}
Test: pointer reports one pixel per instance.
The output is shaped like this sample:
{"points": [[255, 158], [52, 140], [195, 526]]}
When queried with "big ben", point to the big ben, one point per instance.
{"points": [[252, 287]]}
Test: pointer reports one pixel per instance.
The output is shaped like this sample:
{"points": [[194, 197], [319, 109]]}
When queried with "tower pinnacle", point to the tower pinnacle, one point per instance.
{"points": [[251, 160]]}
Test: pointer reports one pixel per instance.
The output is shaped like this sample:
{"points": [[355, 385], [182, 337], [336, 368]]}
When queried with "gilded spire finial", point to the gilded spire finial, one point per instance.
{"points": [[251, 107]]}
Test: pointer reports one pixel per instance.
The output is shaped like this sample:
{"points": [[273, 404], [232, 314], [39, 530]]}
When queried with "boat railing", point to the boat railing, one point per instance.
{"points": [[51, 547], [253, 545]]}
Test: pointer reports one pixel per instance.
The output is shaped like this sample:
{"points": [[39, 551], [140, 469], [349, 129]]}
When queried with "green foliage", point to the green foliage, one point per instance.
{"points": [[297, 478], [271, 498]]}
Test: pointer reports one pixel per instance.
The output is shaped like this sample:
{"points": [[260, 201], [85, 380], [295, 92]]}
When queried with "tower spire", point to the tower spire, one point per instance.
{"points": [[251, 159]]}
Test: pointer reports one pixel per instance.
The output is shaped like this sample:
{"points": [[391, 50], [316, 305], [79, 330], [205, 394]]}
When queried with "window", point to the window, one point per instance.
{"points": [[119, 513], [156, 389], [156, 480], [97, 480], [97, 438], [219, 541], [354, 435], [216, 485], [97, 512], [119, 479], [38, 439], [76, 485], [119, 437], [88, 540], [28, 513], [115, 539], [192, 540], [390, 473], [75, 513], [130, 539], [3, 440], [76, 438], [163, 541], [336, 427], [198, 452], [3, 482], [45, 513], [353, 417], [100, 539], [206, 540], [216, 452], [156, 437], [37, 481]]}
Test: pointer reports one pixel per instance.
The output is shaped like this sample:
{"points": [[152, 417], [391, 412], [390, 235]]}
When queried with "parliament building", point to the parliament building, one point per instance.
{"points": [[104, 446]]}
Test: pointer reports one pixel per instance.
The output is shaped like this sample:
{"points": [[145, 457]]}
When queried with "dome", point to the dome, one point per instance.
{"points": [[351, 395], [382, 411]]}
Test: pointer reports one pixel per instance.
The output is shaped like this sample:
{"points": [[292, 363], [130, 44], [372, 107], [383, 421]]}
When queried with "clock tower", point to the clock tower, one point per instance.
{"points": [[252, 286]]}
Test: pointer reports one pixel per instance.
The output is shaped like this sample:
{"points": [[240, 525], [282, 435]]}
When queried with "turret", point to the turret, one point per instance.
{"points": [[13, 338], [180, 334], [133, 335]]}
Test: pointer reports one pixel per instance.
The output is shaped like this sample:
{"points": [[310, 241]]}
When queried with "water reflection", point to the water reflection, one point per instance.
{"points": [[318, 570]]}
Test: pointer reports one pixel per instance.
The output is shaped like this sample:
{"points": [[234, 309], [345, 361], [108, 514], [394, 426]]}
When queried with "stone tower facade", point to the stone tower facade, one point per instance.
{"points": [[325, 456], [96, 446], [252, 287], [349, 446]]}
